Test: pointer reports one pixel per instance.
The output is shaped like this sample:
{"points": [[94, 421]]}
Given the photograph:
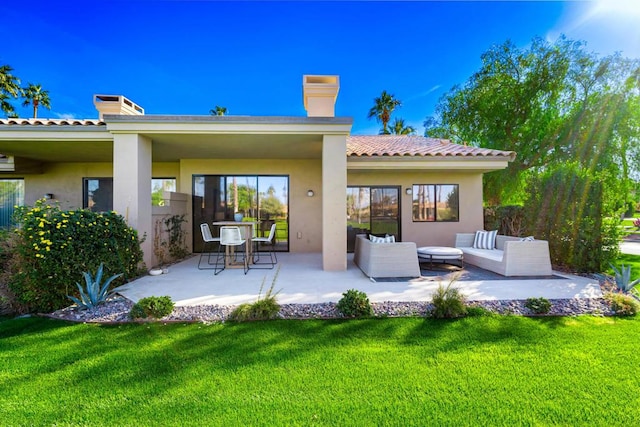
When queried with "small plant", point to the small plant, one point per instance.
{"points": [[478, 311], [263, 309], [354, 303], [538, 305], [623, 278], [448, 302], [96, 291], [155, 307], [636, 223], [621, 304]]}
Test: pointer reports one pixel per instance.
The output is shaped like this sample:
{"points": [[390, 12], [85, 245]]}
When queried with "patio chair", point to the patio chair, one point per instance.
{"points": [[208, 240], [231, 239], [272, 255]]}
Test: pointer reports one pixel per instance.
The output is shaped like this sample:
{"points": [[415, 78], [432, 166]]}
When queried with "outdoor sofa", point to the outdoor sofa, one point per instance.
{"points": [[398, 259], [511, 256]]}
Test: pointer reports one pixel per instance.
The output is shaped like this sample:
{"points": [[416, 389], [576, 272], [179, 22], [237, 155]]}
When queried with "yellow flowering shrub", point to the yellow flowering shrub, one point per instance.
{"points": [[56, 246]]}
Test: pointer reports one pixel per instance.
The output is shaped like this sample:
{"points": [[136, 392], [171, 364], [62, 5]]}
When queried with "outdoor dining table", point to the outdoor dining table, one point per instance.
{"points": [[247, 235]]}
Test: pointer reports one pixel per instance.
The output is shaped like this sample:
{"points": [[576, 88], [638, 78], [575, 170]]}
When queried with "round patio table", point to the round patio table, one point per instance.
{"points": [[440, 253]]}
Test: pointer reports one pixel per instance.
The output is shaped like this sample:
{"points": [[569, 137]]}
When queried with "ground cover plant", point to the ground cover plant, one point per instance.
{"points": [[489, 370]]}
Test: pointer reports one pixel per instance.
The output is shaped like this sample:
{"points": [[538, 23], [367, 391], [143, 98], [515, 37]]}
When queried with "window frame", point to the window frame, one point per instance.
{"points": [[415, 188]]}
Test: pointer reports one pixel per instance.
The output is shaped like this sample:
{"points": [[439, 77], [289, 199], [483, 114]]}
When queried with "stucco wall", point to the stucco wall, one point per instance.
{"points": [[430, 233], [305, 213]]}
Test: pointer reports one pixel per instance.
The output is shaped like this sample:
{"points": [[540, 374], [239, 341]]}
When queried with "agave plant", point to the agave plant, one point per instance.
{"points": [[96, 292], [623, 278]]}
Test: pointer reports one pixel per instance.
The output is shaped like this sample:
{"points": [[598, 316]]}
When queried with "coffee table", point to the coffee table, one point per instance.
{"points": [[440, 253]]}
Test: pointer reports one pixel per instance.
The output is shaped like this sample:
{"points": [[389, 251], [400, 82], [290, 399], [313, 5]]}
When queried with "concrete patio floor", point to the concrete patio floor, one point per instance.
{"points": [[301, 280]]}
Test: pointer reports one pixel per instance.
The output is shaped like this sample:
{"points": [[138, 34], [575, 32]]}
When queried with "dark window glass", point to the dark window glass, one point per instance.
{"points": [[435, 203]]}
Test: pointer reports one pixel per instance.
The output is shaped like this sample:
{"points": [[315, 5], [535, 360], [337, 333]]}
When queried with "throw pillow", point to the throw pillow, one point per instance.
{"points": [[390, 238], [485, 239], [527, 239]]}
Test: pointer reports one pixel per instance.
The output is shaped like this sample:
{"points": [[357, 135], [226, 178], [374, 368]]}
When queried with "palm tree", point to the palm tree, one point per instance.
{"points": [[399, 128], [9, 88], [218, 111], [382, 108], [38, 97]]}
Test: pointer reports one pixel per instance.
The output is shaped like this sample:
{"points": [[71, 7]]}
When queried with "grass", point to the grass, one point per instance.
{"points": [[473, 371]]}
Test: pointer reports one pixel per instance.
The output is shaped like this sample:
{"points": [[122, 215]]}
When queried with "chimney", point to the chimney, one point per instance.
{"points": [[116, 104], [319, 94]]}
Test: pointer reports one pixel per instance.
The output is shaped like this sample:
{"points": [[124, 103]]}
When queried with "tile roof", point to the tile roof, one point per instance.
{"points": [[416, 146], [52, 122]]}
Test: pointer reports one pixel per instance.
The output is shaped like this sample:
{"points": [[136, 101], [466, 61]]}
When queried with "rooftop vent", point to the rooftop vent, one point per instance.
{"points": [[319, 95], [116, 104]]}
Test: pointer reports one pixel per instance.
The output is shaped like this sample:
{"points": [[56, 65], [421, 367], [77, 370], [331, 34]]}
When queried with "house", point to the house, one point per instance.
{"points": [[320, 183]]}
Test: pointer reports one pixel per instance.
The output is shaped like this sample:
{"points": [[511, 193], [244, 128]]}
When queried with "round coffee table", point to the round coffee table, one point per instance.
{"points": [[440, 253]]}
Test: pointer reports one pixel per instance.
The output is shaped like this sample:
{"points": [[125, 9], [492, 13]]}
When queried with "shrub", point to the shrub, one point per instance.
{"points": [[478, 311], [448, 302], [263, 309], [96, 292], [622, 305], [54, 246], [354, 303], [571, 208], [508, 220], [538, 305], [155, 307]]}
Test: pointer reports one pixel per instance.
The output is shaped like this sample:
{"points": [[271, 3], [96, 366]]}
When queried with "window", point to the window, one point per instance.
{"points": [[159, 186], [98, 192], [435, 203], [11, 195]]}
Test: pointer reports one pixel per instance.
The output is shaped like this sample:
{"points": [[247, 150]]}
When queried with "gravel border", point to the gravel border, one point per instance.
{"points": [[116, 310]]}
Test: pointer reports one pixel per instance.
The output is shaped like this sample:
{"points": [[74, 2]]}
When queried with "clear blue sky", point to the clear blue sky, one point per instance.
{"points": [[185, 57]]}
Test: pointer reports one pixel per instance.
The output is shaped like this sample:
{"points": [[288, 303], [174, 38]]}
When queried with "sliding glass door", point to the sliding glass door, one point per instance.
{"points": [[263, 199], [372, 210]]}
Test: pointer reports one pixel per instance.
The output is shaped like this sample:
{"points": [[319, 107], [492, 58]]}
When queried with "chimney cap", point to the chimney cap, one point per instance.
{"points": [[116, 104], [319, 94]]}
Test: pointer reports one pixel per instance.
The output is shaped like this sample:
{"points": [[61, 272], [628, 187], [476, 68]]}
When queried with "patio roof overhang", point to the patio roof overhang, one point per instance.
{"points": [[177, 137], [424, 163]]}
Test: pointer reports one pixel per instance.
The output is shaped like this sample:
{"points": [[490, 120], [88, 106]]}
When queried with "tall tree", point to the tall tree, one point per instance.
{"points": [[9, 89], [218, 111], [398, 127], [36, 96], [548, 102], [382, 108]]}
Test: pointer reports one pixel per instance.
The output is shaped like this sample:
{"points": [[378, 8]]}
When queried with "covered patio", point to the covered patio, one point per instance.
{"points": [[301, 280]]}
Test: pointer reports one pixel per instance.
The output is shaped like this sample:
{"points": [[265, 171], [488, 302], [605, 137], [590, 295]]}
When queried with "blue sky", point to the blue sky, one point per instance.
{"points": [[185, 57]]}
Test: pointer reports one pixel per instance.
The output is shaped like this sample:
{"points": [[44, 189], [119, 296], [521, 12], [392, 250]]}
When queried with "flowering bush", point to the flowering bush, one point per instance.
{"points": [[55, 246], [636, 222]]}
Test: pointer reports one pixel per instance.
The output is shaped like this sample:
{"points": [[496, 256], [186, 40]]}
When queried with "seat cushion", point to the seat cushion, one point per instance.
{"points": [[492, 254]]}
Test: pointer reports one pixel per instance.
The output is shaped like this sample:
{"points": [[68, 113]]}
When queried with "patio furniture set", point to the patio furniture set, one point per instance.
{"points": [[505, 255], [238, 247]]}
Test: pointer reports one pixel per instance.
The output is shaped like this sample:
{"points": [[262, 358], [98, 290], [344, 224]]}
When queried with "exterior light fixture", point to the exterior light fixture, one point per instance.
{"points": [[48, 196], [310, 193], [408, 191]]}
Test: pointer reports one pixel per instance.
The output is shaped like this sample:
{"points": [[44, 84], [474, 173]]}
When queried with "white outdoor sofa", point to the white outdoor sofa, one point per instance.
{"points": [[510, 257], [399, 259]]}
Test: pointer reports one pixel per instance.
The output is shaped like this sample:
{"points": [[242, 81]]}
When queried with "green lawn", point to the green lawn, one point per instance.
{"points": [[400, 372]]}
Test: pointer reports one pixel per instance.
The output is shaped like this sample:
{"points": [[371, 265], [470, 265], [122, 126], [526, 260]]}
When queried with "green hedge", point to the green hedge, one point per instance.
{"points": [[54, 247], [567, 207]]}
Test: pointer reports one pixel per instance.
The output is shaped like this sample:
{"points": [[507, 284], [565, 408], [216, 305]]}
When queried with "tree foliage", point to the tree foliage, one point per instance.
{"points": [[382, 108], [9, 89], [399, 127], [548, 102], [34, 95]]}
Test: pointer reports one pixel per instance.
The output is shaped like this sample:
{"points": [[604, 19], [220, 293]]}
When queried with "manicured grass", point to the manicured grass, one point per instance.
{"points": [[475, 371]]}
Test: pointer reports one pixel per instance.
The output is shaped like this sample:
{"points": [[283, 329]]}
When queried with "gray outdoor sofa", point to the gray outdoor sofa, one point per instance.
{"points": [[510, 257], [399, 259]]}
